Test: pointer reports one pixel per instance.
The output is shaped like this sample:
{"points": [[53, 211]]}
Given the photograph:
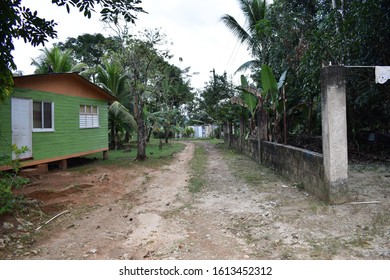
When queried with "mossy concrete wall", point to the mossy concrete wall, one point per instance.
{"points": [[303, 167]]}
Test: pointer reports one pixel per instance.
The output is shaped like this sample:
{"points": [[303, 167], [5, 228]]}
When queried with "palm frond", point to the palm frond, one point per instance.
{"points": [[255, 28], [247, 65], [119, 114], [237, 30], [55, 59], [112, 77]]}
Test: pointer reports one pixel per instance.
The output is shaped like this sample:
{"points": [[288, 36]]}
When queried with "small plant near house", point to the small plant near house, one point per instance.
{"points": [[10, 181]]}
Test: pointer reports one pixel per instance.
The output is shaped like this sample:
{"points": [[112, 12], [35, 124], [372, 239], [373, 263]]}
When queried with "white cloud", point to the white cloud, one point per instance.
{"points": [[194, 27]]}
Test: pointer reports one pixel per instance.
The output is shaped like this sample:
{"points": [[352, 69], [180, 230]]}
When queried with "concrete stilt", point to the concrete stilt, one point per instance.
{"points": [[63, 164]]}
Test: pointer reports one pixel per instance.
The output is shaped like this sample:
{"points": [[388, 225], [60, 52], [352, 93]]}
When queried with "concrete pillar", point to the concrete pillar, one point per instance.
{"points": [[105, 155], [334, 134]]}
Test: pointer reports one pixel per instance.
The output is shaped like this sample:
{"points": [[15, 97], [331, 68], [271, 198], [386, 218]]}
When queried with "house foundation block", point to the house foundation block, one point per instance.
{"points": [[63, 164], [35, 171], [43, 168]]}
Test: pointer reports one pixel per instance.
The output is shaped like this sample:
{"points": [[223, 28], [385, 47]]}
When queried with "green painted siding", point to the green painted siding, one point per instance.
{"points": [[5, 129], [67, 137]]}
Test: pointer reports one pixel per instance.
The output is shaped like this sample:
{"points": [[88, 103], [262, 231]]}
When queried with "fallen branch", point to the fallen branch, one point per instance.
{"points": [[104, 176], [56, 216], [365, 202], [77, 186]]}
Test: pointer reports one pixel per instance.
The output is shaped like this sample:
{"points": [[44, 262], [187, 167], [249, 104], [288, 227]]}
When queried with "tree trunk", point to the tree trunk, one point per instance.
{"points": [[166, 132], [127, 137], [112, 136], [230, 133], [141, 143], [242, 133], [150, 130], [139, 117], [263, 124]]}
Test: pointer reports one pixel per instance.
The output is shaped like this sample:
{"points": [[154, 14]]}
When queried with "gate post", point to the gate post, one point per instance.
{"points": [[334, 134]]}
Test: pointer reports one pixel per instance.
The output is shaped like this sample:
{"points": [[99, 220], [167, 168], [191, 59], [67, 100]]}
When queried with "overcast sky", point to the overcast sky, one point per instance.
{"points": [[194, 28]]}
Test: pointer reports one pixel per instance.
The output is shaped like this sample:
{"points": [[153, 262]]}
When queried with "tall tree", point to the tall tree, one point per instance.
{"points": [[139, 60], [18, 21], [151, 77], [215, 100], [91, 49], [111, 77]]}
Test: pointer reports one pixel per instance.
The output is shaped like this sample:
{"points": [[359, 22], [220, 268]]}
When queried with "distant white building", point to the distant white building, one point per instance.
{"points": [[204, 131]]}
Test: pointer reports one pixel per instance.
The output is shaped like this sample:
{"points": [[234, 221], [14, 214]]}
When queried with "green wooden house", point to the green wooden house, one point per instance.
{"points": [[57, 116]]}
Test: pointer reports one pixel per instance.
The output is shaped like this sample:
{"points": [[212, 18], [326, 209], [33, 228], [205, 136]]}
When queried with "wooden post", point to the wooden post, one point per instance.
{"points": [[105, 155]]}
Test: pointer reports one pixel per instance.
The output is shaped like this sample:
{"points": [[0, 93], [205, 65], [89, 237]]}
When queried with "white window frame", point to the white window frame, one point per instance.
{"points": [[51, 129], [89, 119]]}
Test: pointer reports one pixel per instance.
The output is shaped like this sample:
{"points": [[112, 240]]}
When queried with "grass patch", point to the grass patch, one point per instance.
{"points": [[209, 140], [198, 167], [319, 207], [155, 156], [246, 169]]}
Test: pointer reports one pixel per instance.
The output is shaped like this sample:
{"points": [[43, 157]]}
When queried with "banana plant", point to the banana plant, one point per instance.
{"points": [[249, 99], [164, 123], [271, 88], [272, 100], [267, 98]]}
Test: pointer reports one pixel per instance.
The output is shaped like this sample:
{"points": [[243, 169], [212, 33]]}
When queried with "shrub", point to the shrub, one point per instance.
{"points": [[10, 181], [189, 132]]}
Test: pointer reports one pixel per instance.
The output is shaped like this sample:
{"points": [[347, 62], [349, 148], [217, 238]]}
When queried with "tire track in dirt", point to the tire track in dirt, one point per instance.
{"points": [[164, 191], [206, 220]]}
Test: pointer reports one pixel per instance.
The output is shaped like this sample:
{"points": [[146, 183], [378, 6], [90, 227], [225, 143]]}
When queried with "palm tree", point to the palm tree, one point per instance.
{"points": [[120, 120], [55, 60], [111, 78], [255, 31]]}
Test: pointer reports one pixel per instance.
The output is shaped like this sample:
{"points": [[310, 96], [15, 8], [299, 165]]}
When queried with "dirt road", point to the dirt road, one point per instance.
{"points": [[148, 213]]}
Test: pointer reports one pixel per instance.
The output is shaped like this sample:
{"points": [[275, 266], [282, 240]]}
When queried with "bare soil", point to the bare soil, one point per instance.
{"points": [[148, 213]]}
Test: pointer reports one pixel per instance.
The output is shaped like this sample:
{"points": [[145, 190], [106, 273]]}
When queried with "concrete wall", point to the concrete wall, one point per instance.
{"points": [[300, 166], [326, 175]]}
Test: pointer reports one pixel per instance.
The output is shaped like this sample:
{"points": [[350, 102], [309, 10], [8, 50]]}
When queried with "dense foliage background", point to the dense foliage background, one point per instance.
{"points": [[299, 37], [303, 36]]}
